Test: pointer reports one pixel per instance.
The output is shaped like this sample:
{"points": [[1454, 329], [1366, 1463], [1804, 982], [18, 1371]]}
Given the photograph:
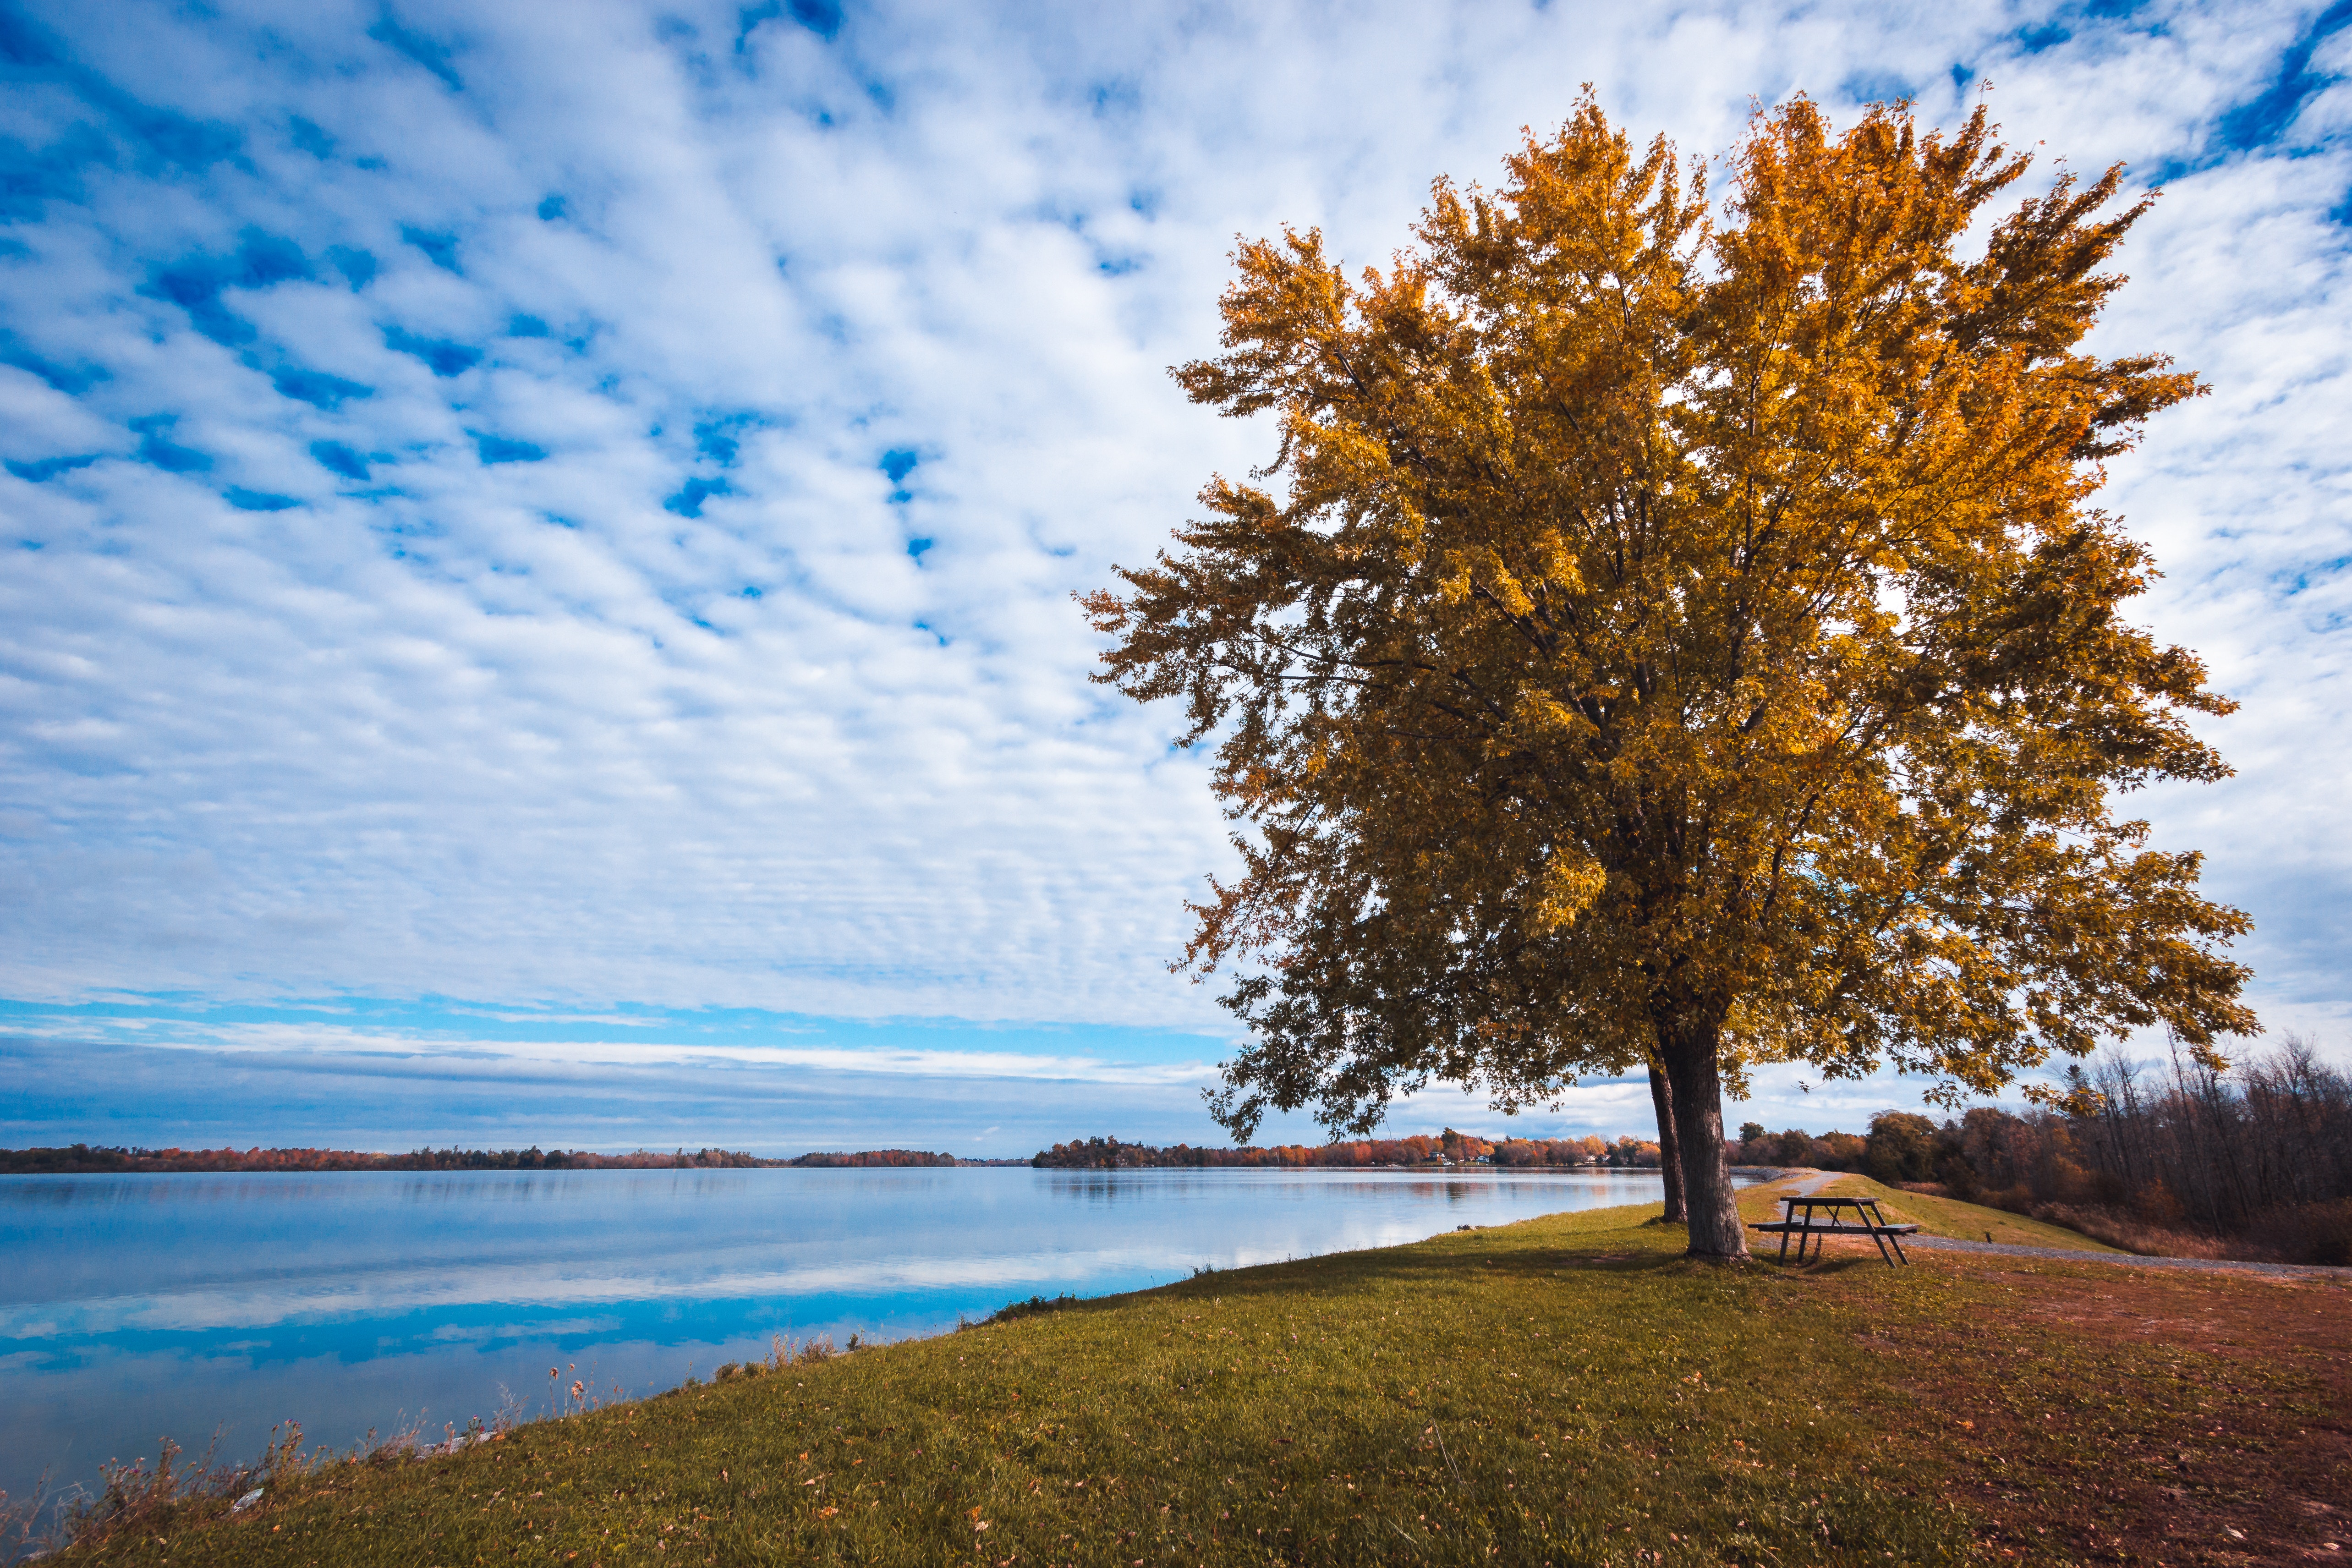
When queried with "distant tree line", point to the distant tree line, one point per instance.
{"points": [[531, 1159], [85, 1158], [1420, 1149], [1830, 1152], [1626, 1153], [874, 1157]]}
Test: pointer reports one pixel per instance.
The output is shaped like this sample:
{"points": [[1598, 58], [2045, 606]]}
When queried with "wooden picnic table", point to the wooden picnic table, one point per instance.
{"points": [[1868, 1221]]}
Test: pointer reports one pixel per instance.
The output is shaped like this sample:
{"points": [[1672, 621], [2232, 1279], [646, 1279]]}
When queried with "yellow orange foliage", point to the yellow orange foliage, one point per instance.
{"points": [[1686, 638]]}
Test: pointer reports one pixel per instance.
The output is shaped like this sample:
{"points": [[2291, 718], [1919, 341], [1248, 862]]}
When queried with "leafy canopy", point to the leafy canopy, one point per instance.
{"points": [[1681, 637]]}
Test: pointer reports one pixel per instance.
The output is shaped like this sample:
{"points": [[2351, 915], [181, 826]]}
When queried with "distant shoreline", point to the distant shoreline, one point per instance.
{"points": [[91, 1160], [86, 1159]]}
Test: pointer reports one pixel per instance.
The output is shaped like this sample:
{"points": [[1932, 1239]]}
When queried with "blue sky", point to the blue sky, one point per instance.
{"points": [[539, 539]]}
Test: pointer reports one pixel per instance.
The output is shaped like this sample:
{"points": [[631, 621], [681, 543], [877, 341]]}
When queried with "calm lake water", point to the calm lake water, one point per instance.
{"points": [[138, 1307]]}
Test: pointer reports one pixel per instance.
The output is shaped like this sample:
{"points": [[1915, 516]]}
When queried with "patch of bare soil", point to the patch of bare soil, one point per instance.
{"points": [[2110, 1415]]}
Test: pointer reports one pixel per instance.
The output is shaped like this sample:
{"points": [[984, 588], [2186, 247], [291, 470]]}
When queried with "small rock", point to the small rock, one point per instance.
{"points": [[246, 1501]]}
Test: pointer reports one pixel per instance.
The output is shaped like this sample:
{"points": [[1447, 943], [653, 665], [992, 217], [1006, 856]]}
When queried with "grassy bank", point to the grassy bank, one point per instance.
{"points": [[1564, 1391]]}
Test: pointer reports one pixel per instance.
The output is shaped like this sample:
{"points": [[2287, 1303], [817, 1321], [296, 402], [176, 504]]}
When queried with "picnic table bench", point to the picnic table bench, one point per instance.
{"points": [[1868, 1221]]}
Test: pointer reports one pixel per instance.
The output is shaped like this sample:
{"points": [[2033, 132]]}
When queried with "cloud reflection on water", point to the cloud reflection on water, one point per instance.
{"points": [[150, 1304]]}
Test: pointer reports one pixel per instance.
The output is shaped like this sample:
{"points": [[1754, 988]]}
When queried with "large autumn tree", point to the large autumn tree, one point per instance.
{"points": [[1686, 640]]}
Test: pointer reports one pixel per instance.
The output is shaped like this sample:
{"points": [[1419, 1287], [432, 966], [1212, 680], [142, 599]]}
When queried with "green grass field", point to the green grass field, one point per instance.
{"points": [[1566, 1391]]}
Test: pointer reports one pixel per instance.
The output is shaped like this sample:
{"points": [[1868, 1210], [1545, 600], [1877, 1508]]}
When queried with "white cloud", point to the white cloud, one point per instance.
{"points": [[516, 731]]}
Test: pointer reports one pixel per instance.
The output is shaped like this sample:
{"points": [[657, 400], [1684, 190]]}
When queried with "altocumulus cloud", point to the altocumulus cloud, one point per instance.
{"points": [[576, 506]]}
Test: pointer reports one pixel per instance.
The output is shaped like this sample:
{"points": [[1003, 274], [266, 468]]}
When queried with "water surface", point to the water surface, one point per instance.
{"points": [[138, 1307]]}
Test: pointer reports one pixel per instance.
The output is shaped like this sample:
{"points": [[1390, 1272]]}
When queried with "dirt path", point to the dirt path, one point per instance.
{"points": [[2066, 1255]]}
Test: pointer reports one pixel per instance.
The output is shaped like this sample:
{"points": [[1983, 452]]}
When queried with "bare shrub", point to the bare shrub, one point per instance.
{"points": [[2213, 1151], [2118, 1228], [2172, 1159], [783, 1351], [2306, 1233], [132, 1500], [22, 1534]]}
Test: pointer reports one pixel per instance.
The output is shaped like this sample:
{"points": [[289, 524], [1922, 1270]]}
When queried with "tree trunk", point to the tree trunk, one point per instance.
{"points": [[1670, 1162], [1717, 1232]]}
